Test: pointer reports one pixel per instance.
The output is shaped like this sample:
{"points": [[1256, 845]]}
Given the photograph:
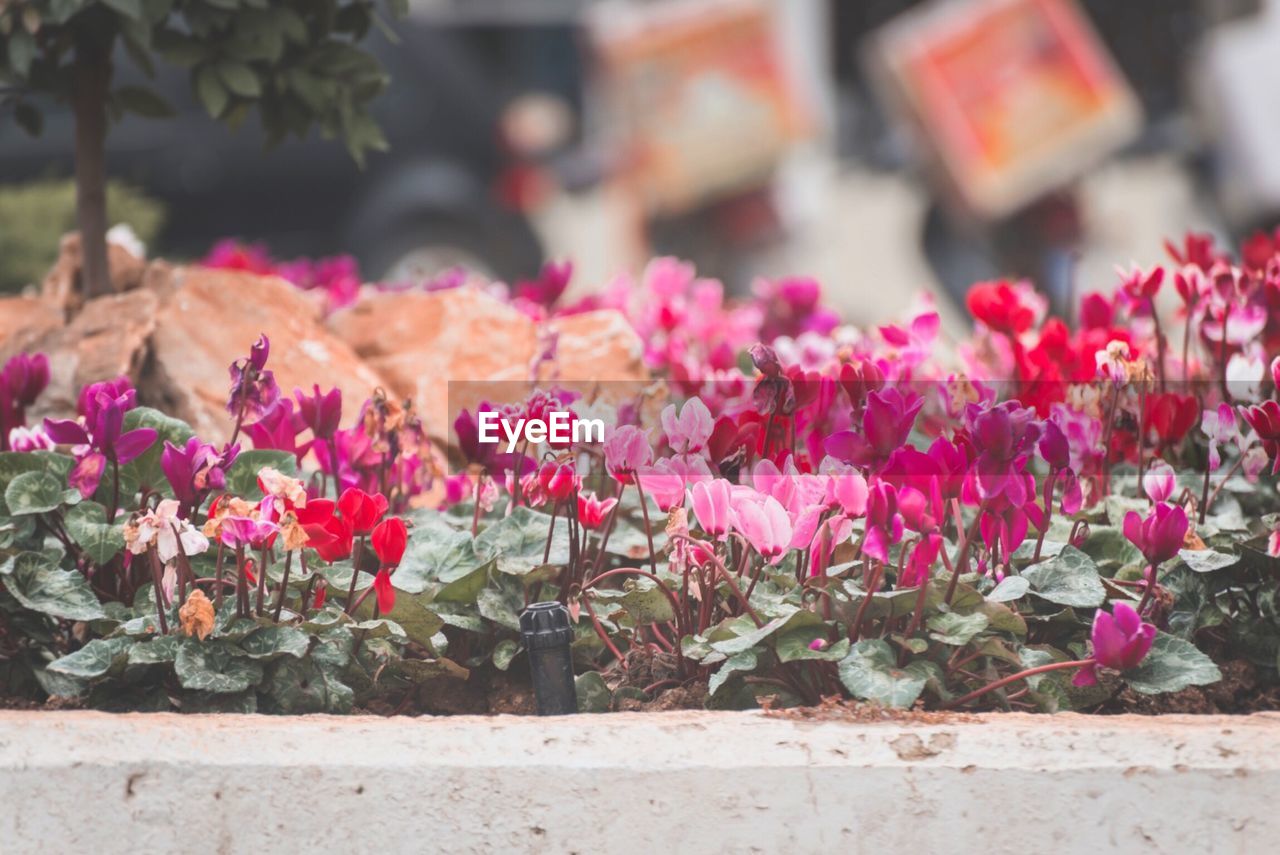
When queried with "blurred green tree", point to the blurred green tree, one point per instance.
{"points": [[297, 61]]}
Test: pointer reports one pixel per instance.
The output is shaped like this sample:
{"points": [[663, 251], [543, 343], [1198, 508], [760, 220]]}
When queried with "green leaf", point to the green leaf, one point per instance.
{"points": [[870, 672], [37, 493], [128, 8], [593, 695], [242, 475], [209, 89], [442, 555], [155, 652], [1172, 665], [297, 686], [22, 51], [29, 118], [93, 660], [239, 78], [741, 633], [466, 588], [144, 102], [87, 524], [1010, 588], [503, 652], [739, 662], [792, 645], [642, 599], [215, 667], [1069, 579], [271, 641], [518, 542], [956, 630], [40, 585], [1207, 560], [144, 470]]}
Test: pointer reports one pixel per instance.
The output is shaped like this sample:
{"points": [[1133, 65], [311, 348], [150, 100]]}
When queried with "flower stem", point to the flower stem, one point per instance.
{"points": [[648, 530], [284, 585], [355, 574], [1013, 678]]}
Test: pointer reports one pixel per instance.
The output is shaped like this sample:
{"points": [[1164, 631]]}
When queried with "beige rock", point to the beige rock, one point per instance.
{"points": [[451, 349], [209, 318], [25, 321], [107, 339], [61, 285]]}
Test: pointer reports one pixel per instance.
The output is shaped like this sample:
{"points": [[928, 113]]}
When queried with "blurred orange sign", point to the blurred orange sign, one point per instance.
{"points": [[1015, 97], [699, 96]]}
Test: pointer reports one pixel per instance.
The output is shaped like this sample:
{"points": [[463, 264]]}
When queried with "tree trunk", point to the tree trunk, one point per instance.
{"points": [[89, 102]]}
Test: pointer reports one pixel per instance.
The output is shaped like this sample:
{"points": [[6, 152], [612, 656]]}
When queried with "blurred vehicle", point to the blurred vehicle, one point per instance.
{"points": [[439, 197]]}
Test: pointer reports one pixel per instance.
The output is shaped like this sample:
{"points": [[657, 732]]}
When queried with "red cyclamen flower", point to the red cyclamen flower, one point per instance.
{"points": [[389, 541]]}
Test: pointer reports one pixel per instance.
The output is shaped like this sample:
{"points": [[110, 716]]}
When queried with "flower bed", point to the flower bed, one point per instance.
{"points": [[1048, 518]]}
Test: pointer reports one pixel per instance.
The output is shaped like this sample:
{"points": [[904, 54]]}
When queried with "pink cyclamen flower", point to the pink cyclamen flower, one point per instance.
{"points": [[688, 433], [1221, 427], [626, 450], [245, 531], [1159, 481], [320, 411], [1160, 535], [592, 512], [712, 505], [1264, 418], [884, 523], [662, 483], [886, 423], [848, 489], [1121, 640], [765, 524]]}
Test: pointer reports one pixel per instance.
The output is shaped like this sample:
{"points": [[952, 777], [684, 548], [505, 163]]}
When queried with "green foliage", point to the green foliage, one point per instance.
{"points": [[297, 62], [34, 215]]}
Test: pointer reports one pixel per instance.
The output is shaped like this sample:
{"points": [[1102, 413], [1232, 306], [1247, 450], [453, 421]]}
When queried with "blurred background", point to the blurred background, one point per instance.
{"points": [[889, 148]]}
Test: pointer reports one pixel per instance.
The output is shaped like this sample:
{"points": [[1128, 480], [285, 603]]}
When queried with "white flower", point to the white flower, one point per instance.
{"points": [[280, 486], [167, 530]]}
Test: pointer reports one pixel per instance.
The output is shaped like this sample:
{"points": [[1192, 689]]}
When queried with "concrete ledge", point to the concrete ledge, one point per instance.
{"points": [[708, 782]]}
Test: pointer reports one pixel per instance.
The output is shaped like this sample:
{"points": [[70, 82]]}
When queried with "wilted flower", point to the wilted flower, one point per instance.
{"points": [[196, 617], [253, 386], [167, 531]]}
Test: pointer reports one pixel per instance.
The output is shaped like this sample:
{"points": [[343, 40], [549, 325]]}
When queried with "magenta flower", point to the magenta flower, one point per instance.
{"points": [[1004, 436], [245, 531], [1160, 535], [278, 430], [1121, 640], [119, 389], [626, 450], [886, 423], [322, 412], [1264, 418], [22, 380], [920, 563], [552, 280], [592, 511], [253, 387], [712, 505], [765, 524], [884, 523], [98, 440], [195, 470], [688, 433]]}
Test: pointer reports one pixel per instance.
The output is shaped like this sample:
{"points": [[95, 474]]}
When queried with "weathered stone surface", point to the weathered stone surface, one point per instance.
{"points": [[24, 321], [61, 285], [421, 341], [106, 339], [209, 318]]}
